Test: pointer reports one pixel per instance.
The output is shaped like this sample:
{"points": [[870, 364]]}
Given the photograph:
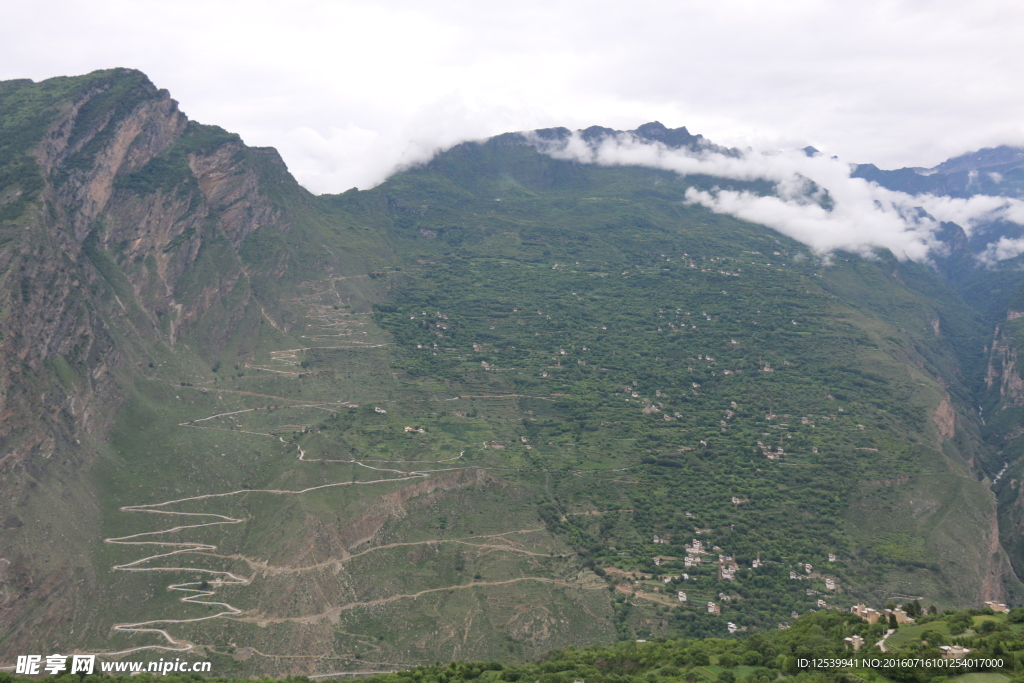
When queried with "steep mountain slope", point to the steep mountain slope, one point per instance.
{"points": [[482, 410], [994, 291], [706, 286], [157, 260], [123, 225], [1003, 401]]}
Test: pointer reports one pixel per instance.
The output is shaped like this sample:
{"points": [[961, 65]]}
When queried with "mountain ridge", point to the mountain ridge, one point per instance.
{"points": [[991, 170]]}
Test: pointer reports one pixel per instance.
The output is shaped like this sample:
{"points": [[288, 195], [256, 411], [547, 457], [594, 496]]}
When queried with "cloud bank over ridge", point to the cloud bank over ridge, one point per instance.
{"points": [[816, 201]]}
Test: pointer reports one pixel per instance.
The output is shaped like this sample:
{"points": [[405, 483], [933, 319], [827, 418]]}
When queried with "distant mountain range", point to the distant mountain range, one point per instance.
{"points": [[997, 171]]}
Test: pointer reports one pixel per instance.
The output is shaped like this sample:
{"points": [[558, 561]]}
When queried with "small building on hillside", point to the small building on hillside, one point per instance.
{"points": [[954, 651], [854, 643], [901, 616], [727, 568]]}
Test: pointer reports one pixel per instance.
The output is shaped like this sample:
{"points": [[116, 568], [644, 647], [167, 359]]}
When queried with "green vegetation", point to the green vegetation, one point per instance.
{"points": [[480, 412], [659, 355], [776, 656]]}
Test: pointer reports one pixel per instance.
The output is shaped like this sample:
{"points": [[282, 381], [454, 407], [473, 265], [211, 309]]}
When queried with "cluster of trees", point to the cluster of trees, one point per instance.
{"points": [[771, 657], [690, 371]]}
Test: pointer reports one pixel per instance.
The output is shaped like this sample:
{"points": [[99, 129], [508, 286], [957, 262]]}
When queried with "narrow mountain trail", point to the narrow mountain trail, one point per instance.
{"points": [[199, 592], [335, 562], [196, 595], [169, 545], [334, 613]]}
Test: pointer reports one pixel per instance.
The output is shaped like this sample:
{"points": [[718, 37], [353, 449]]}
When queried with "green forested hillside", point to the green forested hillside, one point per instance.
{"points": [[686, 347], [482, 411]]}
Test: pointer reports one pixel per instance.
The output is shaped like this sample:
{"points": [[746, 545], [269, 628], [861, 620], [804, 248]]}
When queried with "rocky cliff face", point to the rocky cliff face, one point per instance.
{"points": [[1002, 374], [1006, 397], [122, 201]]}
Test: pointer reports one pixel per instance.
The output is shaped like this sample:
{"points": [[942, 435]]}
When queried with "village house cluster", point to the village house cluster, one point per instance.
{"points": [[694, 551], [699, 552], [727, 568], [873, 615]]}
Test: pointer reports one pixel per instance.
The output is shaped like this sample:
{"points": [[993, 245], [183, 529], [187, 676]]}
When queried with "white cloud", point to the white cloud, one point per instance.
{"points": [[817, 202], [1002, 250], [847, 227], [969, 213]]}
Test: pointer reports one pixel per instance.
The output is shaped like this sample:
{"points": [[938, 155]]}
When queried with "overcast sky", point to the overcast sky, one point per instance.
{"points": [[349, 91]]}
